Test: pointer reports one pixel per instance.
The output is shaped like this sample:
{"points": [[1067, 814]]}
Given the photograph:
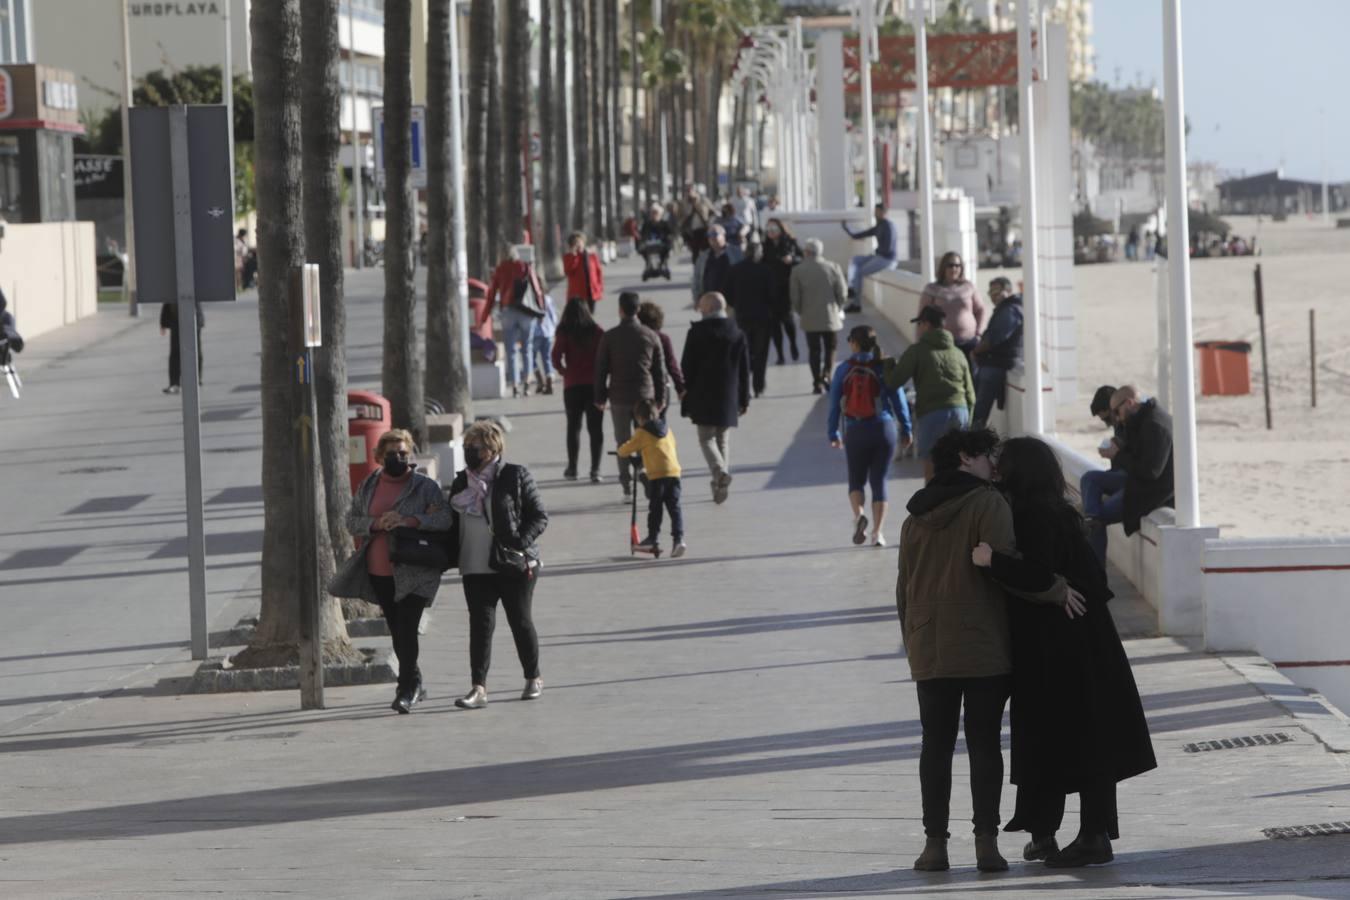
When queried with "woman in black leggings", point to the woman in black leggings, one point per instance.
{"points": [[574, 347]]}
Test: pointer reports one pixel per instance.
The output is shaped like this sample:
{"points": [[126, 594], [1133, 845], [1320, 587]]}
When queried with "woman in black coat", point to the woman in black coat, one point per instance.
{"points": [[781, 253], [716, 366], [1078, 724], [496, 520]]}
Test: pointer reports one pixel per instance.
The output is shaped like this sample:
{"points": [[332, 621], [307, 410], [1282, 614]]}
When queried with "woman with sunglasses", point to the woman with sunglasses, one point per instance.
{"points": [[960, 300]]}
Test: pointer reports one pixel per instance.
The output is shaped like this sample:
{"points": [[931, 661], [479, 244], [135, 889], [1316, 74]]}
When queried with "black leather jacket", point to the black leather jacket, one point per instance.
{"points": [[515, 512]]}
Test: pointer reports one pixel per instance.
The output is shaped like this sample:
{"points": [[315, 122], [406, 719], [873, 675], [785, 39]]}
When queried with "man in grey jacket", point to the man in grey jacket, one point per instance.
{"points": [[818, 294], [629, 366]]}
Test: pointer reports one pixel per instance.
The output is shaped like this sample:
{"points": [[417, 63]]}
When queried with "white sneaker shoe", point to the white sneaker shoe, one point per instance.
{"points": [[678, 550], [878, 540]]}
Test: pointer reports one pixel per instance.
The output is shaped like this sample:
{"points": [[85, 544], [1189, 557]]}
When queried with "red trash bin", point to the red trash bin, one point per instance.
{"points": [[368, 417], [1224, 368], [480, 325]]}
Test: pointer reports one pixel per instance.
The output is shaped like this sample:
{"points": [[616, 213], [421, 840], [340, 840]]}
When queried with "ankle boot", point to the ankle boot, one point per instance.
{"points": [[934, 856], [1086, 850], [987, 857], [1040, 847]]}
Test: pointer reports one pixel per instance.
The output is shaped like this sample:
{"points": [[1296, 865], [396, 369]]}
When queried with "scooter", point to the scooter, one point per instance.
{"points": [[635, 545], [652, 253]]}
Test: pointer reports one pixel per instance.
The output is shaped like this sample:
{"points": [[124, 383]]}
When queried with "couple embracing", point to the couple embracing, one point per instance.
{"points": [[999, 596]]}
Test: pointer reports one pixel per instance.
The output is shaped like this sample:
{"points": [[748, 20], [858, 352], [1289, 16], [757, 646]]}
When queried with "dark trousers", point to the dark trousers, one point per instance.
{"points": [[1042, 809], [516, 593], [783, 323], [820, 346], [579, 401], [664, 493], [176, 358], [757, 336], [402, 617], [940, 701]]}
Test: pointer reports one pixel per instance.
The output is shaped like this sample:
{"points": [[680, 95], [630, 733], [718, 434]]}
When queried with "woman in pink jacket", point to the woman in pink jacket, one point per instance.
{"points": [[960, 300]]}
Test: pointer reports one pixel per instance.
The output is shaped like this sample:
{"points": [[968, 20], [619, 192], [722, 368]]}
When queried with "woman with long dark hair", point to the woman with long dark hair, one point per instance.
{"points": [[781, 253], [574, 347], [875, 418], [960, 300], [1077, 721]]}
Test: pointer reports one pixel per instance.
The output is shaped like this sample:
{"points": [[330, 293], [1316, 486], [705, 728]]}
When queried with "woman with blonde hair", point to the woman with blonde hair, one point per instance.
{"points": [[960, 301], [394, 496], [497, 518]]}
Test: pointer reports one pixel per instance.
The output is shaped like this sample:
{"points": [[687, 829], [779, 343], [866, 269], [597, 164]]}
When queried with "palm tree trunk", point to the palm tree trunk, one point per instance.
{"points": [[475, 137], [615, 118], [638, 136], [402, 370], [492, 150], [547, 230], [445, 367], [600, 61], [320, 141], [596, 143], [515, 117], [565, 196], [581, 119], [275, 31]]}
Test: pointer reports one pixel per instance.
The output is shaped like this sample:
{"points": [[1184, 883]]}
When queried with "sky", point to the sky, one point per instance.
{"points": [[1257, 77]]}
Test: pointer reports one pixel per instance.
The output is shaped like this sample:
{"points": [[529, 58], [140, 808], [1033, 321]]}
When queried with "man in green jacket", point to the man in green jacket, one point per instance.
{"points": [[941, 375]]}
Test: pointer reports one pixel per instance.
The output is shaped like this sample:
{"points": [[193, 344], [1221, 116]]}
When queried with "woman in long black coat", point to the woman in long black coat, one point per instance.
{"points": [[716, 365], [781, 253], [1078, 724]]}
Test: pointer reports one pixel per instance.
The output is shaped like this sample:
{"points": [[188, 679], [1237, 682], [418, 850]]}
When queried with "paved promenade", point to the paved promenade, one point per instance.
{"points": [[736, 723]]}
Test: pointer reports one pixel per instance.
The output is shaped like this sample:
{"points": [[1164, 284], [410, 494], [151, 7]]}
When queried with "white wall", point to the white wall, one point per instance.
{"points": [[49, 274]]}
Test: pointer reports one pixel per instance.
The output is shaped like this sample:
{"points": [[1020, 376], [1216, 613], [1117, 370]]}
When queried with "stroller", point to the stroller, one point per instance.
{"points": [[655, 253]]}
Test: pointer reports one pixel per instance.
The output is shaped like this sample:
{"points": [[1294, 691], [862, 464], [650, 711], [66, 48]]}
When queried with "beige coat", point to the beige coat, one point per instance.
{"points": [[818, 294]]}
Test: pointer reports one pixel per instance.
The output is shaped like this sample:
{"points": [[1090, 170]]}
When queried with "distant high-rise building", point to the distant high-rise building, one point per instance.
{"points": [[1074, 15], [16, 31]]}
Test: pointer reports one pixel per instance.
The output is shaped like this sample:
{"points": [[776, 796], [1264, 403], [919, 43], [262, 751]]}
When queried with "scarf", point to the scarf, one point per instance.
{"points": [[470, 500]]}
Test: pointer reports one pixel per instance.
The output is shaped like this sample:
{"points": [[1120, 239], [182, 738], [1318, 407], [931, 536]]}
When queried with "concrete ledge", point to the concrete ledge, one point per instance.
{"points": [[363, 628], [213, 678], [1312, 711]]}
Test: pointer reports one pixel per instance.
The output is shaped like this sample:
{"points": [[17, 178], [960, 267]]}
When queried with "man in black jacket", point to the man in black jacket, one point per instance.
{"points": [[749, 291], [716, 262], [1146, 459], [999, 350], [629, 366], [716, 364]]}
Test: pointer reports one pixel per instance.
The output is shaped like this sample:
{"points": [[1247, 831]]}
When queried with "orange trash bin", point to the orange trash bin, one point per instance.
{"points": [[368, 416], [1225, 369]]}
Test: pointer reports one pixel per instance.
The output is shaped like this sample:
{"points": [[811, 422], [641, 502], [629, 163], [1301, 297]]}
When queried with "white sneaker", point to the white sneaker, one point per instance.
{"points": [[878, 540], [678, 550]]}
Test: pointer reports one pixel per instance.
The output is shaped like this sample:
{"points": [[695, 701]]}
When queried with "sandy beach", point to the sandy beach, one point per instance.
{"points": [[1288, 481]]}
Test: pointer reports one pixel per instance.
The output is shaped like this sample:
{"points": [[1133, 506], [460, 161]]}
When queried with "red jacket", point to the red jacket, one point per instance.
{"points": [[576, 359], [576, 275], [503, 286]]}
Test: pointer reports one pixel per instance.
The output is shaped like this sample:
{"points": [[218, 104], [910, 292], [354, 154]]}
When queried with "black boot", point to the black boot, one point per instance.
{"points": [[934, 856], [1040, 847], [1086, 850]]}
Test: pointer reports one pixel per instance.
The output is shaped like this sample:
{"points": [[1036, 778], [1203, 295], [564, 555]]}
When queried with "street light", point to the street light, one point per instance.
{"points": [[865, 15], [1033, 415]]}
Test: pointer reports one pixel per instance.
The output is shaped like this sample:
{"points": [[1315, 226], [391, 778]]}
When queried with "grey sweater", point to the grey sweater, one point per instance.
{"points": [[421, 499]]}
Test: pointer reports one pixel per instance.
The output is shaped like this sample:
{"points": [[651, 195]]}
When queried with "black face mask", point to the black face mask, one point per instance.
{"points": [[473, 458], [395, 465]]}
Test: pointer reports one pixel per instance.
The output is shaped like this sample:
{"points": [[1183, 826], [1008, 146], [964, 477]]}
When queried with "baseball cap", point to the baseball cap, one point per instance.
{"points": [[933, 315]]}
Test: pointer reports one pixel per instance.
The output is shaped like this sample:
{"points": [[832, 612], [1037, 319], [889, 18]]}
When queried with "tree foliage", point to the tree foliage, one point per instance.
{"points": [[1121, 124]]}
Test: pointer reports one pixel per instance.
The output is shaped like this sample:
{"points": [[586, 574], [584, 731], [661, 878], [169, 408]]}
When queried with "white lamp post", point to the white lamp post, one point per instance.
{"points": [[920, 11], [1033, 419], [869, 52]]}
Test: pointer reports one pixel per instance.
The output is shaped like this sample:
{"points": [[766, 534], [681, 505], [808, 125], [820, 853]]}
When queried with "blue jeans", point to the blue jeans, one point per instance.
{"points": [[543, 348], [518, 330], [869, 445], [861, 266], [989, 384], [1104, 502], [736, 252], [932, 425]]}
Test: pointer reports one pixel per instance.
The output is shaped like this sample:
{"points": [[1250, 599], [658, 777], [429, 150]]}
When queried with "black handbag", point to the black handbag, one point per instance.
{"points": [[425, 549]]}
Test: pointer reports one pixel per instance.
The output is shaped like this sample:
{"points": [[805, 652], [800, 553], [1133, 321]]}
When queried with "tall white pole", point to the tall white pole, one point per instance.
{"points": [[1033, 418], [1179, 269], [227, 94], [866, 39], [129, 229], [358, 160], [661, 189], [926, 250], [461, 270]]}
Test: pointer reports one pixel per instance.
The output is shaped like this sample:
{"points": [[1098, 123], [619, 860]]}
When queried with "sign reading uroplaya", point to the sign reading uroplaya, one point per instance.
{"points": [[175, 9]]}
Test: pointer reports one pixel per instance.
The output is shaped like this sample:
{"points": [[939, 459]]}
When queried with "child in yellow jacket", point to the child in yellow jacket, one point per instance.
{"points": [[655, 441]]}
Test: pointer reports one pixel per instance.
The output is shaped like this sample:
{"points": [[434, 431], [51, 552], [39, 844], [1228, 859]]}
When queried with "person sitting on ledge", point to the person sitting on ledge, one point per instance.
{"points": [[1145, 456]]}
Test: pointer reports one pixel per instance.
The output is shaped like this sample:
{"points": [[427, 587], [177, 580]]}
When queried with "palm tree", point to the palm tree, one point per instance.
{"points": [[515, 118], [615, 83], [402, 370], [635, 83], [321, 140], [492, 147], [581, 117], [561, 146], [596, 139], [445, 368], [275, 28], [547, 237], [482, 38]]}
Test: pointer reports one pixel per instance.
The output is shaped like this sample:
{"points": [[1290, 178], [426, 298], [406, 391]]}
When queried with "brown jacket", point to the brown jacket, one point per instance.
{"points": [[630, 365], [953, 615]]}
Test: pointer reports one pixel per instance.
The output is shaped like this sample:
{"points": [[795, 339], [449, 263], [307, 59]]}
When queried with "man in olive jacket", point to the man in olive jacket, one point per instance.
{"points": [[629, 366], [954, 622], [942, 382]]}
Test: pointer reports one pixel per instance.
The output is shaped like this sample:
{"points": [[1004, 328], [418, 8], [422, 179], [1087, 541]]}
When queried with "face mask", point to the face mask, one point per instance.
{"points": [[473, 458], [394, 464]]}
